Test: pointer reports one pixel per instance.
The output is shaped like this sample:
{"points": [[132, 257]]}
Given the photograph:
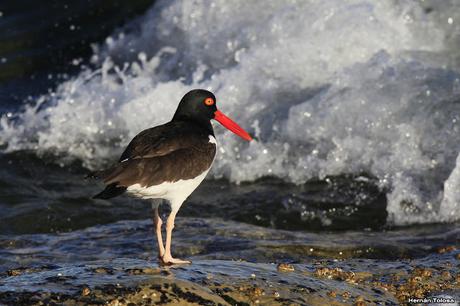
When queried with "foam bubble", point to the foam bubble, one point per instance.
{"points": [[328, 87], [451, 198]]}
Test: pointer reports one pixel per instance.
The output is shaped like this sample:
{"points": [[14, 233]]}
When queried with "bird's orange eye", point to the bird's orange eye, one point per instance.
{"points": [[209, 101]]}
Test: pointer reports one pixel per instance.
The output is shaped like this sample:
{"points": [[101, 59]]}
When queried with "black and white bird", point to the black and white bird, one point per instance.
{"points": [[169, 161]]}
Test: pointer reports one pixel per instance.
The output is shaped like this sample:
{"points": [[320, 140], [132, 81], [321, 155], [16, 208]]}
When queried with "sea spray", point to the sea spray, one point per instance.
{"points": [[328, 87]]}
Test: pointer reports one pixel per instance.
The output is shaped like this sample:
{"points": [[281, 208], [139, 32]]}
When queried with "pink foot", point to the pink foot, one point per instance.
{"points": [[169, 260]]}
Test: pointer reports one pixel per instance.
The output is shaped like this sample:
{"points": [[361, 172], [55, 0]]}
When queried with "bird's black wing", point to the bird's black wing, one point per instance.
{"points": [[164, 153], [162, 140]]}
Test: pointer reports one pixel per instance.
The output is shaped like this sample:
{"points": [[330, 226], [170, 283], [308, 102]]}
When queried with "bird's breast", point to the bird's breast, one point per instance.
{"points": [[176, 175], [212, 139]]}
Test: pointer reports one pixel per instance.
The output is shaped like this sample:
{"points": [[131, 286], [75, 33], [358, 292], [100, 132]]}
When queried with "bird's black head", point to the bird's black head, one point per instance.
{"points": [[199, 106]]}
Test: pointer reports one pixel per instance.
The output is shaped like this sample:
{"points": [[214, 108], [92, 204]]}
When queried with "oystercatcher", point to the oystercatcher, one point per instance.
{"points": [[169, 161]]}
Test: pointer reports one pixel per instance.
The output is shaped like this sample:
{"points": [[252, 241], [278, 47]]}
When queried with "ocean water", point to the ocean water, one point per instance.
{"points": [[328, 88], [355, 109]]}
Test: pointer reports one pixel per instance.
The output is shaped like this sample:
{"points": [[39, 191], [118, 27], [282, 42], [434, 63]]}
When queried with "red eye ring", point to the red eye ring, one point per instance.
{"points": [[209, 101]]}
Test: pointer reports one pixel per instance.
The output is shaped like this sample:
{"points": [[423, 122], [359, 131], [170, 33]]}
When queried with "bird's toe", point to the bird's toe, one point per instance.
{"points": [[168, 261]]}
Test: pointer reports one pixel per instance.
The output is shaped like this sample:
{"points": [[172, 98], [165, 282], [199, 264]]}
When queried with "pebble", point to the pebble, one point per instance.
{"points": [[85, 291], [446, 249], [114, 303], [336, 273], [332, 294], [285, 267], [102, 270], [256, 291], [446, 275], [422, 272], [360, 301], [151, 271], [14, 272]]}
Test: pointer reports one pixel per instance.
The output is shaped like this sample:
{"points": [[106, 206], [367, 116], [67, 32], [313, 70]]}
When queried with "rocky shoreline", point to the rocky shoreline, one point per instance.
{"points": [[233, 264], [222, 282]]}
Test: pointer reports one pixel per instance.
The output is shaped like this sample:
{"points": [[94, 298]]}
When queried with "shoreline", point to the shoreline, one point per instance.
{"points": [[250, 265], [125, 281]]}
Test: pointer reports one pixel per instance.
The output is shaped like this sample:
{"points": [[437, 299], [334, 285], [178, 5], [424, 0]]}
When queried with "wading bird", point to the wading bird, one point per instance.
{"points": [[169, 161]]}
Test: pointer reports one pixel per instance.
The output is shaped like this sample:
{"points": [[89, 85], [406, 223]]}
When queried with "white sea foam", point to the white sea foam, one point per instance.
{"points": [[328, 87]]}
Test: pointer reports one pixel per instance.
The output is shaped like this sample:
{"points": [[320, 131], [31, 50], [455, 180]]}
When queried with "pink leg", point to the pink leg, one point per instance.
{"points": [[167, 257], [157, 222]]}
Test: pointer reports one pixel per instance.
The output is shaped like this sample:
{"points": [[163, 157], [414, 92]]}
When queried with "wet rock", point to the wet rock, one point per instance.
{"points": [[422, 272], [360, 301], [332, 294], [103, 270], [256, 292], [447, 249], [285, 267], [446, 275], [138, 283], [85, 291], [114, 302], [143, 271], [14, 272], [23, 270], [335, 273], [385, 286]]}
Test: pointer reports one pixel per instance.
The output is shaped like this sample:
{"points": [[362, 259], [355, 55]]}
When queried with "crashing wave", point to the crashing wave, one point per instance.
{"points": [[327, 87]]}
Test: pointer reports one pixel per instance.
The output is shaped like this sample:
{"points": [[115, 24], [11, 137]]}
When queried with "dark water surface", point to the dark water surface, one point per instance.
{"points": [[44, 42], [54, 237], [60, 201]]}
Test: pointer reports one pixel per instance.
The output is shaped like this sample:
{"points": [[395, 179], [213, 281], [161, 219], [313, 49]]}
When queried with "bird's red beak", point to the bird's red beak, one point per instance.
{"points": [[231, 125]]}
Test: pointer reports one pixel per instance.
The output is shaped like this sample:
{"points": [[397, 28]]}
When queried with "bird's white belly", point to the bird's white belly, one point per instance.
{"points": [[174, 192]]}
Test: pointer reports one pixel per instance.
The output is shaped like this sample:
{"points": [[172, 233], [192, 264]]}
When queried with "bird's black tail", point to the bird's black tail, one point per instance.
{"points": [[110, 191]]}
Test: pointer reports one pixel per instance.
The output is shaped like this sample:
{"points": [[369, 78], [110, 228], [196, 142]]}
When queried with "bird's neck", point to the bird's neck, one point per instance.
{"points": [[203, 123]]}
